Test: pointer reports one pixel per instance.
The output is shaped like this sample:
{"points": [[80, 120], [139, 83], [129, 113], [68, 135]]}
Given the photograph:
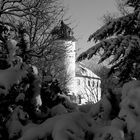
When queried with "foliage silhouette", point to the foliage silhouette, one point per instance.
{"points": [[119, 37]]}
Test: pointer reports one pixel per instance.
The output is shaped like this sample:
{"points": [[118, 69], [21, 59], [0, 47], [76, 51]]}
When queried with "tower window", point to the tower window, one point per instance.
{"points": [[93, 83], [78, 81], [89, 83]]}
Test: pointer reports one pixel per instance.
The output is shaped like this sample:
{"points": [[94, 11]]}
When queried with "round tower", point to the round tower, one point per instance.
{"points": [[65, 42]]}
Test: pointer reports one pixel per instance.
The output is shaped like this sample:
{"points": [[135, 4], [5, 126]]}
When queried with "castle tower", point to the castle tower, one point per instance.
{"points": [[65, 42]]}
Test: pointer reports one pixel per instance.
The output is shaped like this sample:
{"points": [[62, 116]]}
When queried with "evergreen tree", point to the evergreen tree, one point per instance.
{"points": [[119, 37], [23, 51], [4, 51]]}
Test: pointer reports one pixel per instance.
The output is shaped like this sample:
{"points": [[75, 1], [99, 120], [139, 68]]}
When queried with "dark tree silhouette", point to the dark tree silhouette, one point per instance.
{"points": [[119, 37]]}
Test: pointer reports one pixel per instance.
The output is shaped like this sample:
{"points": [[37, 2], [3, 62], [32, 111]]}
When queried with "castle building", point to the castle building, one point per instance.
{"points": [[64, 40], [88, 85], [81, 84]]}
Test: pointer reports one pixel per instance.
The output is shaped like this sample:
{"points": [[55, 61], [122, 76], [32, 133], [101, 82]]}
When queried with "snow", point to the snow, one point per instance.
{"points": [[11, 45], [84, 122], [14, 125], [58, 110], [128, 86], [36, 100], [11, 76], [130, 109], [101, 110], [73, 125], [62, 127]]}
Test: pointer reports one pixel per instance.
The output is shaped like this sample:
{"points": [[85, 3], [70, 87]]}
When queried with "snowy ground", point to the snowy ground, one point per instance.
{"points": [[87, 122]]}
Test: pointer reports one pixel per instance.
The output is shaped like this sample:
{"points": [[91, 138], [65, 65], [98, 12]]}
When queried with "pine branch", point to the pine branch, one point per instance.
{"points": [[117, 56], [133, 3], [119, 38], [108, 45], [116, 26]]}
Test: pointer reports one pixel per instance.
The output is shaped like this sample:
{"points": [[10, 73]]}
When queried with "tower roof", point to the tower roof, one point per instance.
{"points": [[63, 31]]}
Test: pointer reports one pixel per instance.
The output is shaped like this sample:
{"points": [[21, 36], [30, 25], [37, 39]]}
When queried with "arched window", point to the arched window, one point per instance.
{"points": [[93, 83], [89, 83]]}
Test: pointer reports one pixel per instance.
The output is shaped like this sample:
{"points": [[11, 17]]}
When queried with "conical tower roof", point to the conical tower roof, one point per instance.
{"points": [[63, 32]]}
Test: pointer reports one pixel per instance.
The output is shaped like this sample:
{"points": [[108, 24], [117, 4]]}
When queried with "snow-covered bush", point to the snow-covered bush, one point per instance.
{"points": [[130, 108], [77, 125], [11, 76], [32, 109], [15, 123], [87, 122], [58, 110], [62, 127], [101, 111]]}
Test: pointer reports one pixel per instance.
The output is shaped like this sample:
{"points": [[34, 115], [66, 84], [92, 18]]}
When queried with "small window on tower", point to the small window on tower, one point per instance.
{"points": [[93, 83], [89, 83], [78, 81]]}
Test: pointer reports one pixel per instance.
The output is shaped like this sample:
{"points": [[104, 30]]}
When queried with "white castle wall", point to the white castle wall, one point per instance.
{"points": [[67, 63], [70, 65], [88, 85]]}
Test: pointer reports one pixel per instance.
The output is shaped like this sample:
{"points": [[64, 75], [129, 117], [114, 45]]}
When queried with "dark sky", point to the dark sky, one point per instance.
{"points": [[86, 15]]}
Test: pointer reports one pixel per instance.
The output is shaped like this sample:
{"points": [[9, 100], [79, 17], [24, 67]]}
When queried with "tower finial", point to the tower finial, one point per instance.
{"points": [[63, 31]]}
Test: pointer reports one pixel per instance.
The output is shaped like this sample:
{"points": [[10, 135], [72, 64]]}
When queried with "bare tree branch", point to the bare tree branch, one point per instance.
{"points": [[4, 2]]}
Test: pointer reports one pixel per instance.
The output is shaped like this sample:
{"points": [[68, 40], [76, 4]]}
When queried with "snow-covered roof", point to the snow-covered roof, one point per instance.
{"points": [[83, 71]]}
